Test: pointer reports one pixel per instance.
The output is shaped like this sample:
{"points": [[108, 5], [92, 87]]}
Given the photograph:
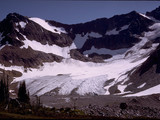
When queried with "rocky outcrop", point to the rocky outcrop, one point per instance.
{"points": [[154, 59], [155, 13], [11, 55], [112, 42], [122, 31], [75, 54], [32, 31], [119, 31]]}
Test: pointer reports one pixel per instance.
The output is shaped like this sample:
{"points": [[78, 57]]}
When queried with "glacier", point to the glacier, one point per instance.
{"points": [[79, 77]]}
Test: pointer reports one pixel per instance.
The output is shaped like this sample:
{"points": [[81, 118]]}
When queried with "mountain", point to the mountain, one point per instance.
{"points": [[117, 55]]}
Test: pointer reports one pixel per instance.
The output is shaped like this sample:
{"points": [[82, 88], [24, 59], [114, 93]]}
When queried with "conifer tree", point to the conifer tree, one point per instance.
{"points": [[23, 95], [4, 90]]}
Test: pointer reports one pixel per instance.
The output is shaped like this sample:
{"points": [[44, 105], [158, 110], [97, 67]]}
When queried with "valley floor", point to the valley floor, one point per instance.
{"points": [[107, 105]]}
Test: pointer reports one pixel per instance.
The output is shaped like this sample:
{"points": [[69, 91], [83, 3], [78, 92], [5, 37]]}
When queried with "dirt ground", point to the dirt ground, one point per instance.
{"points": [[106, 105]]}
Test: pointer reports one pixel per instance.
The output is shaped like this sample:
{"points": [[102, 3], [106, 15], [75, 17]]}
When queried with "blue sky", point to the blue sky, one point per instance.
{"points": [[71, 12]]}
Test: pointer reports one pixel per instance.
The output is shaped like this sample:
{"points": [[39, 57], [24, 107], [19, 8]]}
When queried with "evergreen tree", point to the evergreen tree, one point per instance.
{"points": [[4, 91], [23, 95], [1, 91]]}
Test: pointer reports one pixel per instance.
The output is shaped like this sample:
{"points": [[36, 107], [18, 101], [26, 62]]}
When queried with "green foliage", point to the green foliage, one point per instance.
{"points": [[23, 95]]}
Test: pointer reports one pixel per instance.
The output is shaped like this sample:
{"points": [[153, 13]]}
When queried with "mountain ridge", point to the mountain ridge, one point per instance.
{"points": [[101, 56]]}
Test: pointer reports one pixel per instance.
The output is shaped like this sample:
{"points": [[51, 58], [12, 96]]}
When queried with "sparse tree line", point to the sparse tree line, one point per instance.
{"points": [[23, 94], [21, 104]]}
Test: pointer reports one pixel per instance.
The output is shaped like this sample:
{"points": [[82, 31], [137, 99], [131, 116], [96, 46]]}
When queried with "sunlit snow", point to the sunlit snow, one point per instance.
{"points": [[144, 16], [22, 24], [155, 33], [61, 51], [141, 86], [152, 90], [85, 77], [47, 26]]}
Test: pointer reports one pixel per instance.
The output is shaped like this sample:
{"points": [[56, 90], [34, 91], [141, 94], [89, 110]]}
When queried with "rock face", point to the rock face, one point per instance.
{"points": [[113, 33], [146, 74], [11, 55], [155, 13], [117, 32], [109, 52]]}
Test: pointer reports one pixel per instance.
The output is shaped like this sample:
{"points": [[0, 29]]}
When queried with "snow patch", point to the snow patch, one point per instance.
{"points": [[122, 88], [17, 24], [145, 16], [10, 61], [152, 90], [136, 51], [141, 86], [11, 91], [3, 47], [155, 33], [17, 29], [47, 26], [17, 38], [95, 35], [115, 32], [22, 24], [105, 51], [122, 79], [61, 51]]}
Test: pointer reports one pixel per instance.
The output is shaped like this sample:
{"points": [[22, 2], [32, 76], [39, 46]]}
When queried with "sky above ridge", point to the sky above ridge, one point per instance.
{"points": [[71, 12]]}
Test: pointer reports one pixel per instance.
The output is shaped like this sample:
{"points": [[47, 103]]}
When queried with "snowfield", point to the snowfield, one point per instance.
{"points": [[71, 74], [55, 49], [47, 26], [152, 90], [84, 77]]}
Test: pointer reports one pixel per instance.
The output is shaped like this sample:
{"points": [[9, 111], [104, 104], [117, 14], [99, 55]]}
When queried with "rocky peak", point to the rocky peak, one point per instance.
{"points": [[10, 28], [102, 25], [154, 13], [9, 24], [15, 17]]}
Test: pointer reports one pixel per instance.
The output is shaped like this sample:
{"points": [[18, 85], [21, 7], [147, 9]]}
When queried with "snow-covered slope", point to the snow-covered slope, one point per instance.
{"points": [[48, 27], [42, 53], [85, 78], [55, 49]]}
